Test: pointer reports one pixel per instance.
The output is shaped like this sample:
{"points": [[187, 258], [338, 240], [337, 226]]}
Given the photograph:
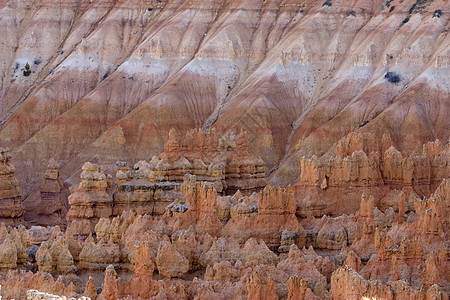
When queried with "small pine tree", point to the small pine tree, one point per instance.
{"points": [[27, 70]]}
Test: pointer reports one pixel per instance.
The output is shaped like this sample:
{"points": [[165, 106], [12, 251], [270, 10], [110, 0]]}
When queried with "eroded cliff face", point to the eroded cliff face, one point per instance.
{"points": [[52, 207], [11, 208], [89, 201], [363, 164], [115, 76], [371, 254], [254, 246], [261, 149]]}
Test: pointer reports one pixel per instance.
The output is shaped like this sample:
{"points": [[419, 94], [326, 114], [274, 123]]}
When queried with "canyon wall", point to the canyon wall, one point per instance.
{"points": [[11, 208], [115, 77], [258, 149], [363, 164], [371, 254]]}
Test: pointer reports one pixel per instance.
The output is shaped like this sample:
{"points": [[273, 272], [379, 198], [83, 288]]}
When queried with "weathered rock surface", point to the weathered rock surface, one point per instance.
{"points": [[144, 197], [132, 83], [89, 201], [11, 209], [325, 182], [202, 199], [170, 262], [346, 101], [224, 162], [275, 214], [52, 208]]}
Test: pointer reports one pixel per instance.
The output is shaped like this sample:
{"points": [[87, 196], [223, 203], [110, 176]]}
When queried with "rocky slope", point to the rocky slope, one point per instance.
{"points": [[265, 253], [113, 77], [275, 149]]}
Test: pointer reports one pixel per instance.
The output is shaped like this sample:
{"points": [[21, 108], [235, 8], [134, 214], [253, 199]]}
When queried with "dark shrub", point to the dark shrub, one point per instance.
{"points": [[364, 123], [437, 13], [406, 20], [392, 77], [327, 3], [27, 70]]}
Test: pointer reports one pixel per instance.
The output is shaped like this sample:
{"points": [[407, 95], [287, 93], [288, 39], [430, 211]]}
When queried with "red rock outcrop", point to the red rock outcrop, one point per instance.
{"points": [[11, 209], [199, 153], [52, 208], [19, 284], [366, 142], [346, 283], [90, 290], [13, 247], [388, 258], [54, 255], [170, 262], [433, 213], [428, 168], [99, 255], [276, 213], [8, 254], [89, 201], [202, 199], [192, 246], [259, 288], [196, 153], [142, 285], [298, 263], [130, 104], [340, 83], [110, 290], [298, 289], [355, 170], [144, 197], [324, 182], [244, 171]]}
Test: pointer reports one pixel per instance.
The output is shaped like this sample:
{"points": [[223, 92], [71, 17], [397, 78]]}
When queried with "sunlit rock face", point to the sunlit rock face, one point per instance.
{"points": [[257, 149], [114, 78], [90, 201], [11, 208], [52, 207]]}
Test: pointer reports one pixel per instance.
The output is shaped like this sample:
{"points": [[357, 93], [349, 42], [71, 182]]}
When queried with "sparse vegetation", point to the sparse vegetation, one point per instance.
{"points": [[406, 20], [392, 77], [326, 3], [364, 123], [27, 70], [392, 8], [437, 13], [418, 6]]}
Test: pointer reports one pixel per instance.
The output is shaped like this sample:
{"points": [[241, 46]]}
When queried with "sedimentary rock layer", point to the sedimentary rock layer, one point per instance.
{"points": [[115, 77]]}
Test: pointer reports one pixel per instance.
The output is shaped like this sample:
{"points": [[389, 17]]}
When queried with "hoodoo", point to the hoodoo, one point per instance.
{"points": [[212, 149]]}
